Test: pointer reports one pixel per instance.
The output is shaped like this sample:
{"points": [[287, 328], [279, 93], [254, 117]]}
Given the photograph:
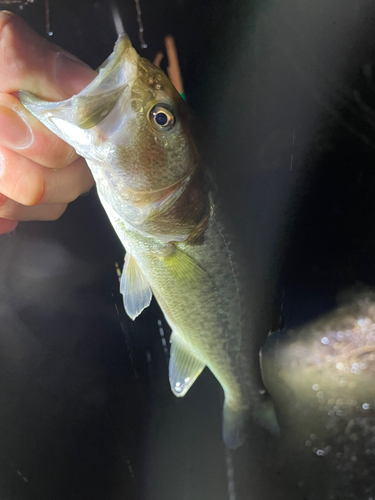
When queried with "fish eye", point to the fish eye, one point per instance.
{"points": [[161, 117]]}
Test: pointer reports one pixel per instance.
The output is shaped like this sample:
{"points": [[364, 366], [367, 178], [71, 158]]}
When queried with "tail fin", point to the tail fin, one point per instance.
{"points": [[236, 422], [235, 426]]}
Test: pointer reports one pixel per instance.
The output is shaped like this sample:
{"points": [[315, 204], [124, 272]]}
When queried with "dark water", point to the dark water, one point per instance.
{"points": [[283, 96]]}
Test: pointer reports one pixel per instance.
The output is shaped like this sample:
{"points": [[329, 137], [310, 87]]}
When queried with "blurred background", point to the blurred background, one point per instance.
{"points": [[282, 95]]}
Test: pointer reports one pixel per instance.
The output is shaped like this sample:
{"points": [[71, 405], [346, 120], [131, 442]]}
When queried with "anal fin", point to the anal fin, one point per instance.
{"points": [[184, 366], [134, 287]]}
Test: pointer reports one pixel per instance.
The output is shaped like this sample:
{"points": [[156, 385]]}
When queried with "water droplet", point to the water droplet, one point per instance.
{"points": [[316, 387], [50, 33], [325, 340], [366, 406]]}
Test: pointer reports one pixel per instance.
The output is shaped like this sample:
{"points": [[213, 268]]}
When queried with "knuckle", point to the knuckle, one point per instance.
{"points": [[8, 29], [6, 18], [29, 188], [19, 54], [59, 153], [84, 181], [8, 209], [55, 211], [11, 63], [72, 196]]}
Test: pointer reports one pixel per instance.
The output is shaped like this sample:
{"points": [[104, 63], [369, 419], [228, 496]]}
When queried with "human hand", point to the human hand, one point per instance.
{"points": [[39, 173]]}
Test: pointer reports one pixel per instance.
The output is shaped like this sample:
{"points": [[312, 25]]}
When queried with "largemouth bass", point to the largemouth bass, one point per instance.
{"points": [[132, 127]]}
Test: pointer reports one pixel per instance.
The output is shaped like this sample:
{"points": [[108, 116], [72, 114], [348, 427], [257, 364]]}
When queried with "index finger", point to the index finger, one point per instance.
{"points": [[28, 62]]}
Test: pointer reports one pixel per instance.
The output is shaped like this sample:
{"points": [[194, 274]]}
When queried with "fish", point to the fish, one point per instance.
{"points": [[133, 128]]}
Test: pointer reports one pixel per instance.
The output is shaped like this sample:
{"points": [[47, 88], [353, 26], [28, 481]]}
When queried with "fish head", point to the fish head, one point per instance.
{"points": [[130, 124]]}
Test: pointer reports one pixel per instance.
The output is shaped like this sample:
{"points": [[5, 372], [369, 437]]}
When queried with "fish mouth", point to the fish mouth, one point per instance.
{"points": [[74, 120]]}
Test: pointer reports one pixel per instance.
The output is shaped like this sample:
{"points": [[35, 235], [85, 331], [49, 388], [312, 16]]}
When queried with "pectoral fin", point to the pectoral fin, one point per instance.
{"points": [[184, 366], [134, 287], [184, 270]]}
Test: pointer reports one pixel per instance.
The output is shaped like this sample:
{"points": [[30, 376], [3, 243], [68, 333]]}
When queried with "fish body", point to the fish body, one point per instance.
{"points": [[133, 129]]}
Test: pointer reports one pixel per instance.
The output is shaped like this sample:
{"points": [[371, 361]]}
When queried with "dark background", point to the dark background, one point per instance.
{"points": [[283, 99]]}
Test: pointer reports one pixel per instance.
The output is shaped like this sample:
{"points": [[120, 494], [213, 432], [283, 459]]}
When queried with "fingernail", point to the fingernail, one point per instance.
{"points": [[15, 133], [71, 74]]}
